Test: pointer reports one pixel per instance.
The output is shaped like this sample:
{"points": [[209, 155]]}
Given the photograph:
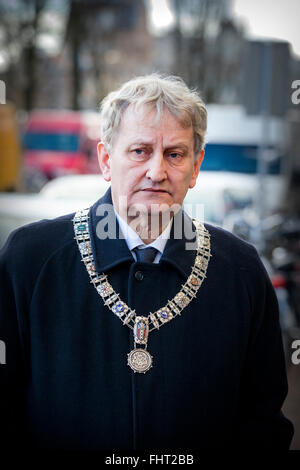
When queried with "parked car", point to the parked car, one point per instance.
{"points": [[59, 143], [10, 150], [60, 196], [222, 193]]}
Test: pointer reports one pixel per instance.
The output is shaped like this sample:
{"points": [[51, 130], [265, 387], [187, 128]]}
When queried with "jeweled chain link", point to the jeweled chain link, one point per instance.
{"points": [[112, 299]]}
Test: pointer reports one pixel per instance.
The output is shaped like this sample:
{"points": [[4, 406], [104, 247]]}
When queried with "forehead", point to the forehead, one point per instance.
{"points": [[145, 121]]}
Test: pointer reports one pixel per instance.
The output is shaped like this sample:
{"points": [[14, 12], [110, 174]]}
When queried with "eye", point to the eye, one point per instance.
{"points": [[175, 156], [139, 154]]}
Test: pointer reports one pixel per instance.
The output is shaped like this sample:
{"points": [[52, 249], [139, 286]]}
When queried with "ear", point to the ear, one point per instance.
{"points": [[104, 161], [196, 169]]}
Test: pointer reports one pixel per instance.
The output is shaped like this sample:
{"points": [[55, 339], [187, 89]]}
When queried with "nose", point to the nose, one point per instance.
{"points": [[157, 170]]}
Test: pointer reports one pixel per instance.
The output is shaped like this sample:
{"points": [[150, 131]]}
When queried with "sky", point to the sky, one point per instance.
{"points": [[161, 15], [278, 19]]}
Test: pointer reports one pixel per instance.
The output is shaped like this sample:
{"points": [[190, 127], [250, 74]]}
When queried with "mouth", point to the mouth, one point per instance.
{"points": [[152, 190]]}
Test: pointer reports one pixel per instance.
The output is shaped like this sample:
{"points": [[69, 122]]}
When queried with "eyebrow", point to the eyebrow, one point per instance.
{"points": [[140, 142], [180, 145]]}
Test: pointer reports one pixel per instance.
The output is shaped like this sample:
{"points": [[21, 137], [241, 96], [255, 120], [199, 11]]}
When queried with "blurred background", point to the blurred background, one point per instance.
{"points": [[59, 58]]}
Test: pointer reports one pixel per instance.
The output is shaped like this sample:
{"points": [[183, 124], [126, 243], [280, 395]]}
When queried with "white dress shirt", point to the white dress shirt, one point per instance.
{"points": [[134, 241]]}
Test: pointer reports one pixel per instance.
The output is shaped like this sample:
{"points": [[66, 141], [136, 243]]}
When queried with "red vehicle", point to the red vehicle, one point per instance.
{"points": [[61, 142]]}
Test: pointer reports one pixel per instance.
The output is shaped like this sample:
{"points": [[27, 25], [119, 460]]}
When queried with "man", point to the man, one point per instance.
{"points": [[111, 345]]}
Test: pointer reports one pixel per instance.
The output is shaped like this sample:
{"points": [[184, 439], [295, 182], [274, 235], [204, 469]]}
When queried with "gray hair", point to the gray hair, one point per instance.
{"points": [[160, 91]]}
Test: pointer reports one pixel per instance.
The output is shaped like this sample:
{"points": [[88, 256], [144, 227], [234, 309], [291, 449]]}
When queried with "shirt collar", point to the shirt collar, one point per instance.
{"points": [[111, 249], [133, 240]]}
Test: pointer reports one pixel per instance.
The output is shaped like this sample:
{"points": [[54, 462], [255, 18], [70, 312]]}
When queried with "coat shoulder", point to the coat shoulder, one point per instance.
{"points": [[234, 251], [31, 245]]}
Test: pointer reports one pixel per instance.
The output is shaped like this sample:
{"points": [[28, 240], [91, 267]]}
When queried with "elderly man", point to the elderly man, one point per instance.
{"points": [[130, 327]]}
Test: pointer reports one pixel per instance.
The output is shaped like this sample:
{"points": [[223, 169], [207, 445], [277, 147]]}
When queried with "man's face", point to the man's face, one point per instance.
{"points": [[151, 162]]}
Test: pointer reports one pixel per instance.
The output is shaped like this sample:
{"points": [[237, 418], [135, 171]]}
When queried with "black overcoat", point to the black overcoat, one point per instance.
{"points": [[218, 376]]}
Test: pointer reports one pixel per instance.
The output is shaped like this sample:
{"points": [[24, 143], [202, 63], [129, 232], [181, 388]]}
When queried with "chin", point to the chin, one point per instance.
{"points": [[163, 208]]}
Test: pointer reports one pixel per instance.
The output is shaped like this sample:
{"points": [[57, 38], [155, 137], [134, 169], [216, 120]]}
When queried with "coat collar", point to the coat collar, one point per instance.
{"points": [[113, 250]]}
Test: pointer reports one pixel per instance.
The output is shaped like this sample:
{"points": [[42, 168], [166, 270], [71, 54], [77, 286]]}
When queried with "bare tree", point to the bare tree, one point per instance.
{"points": [[208, 45], [20, 27]]}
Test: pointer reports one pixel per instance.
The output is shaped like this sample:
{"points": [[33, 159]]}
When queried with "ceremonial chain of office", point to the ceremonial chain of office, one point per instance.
{"points": [[139, 359]]}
